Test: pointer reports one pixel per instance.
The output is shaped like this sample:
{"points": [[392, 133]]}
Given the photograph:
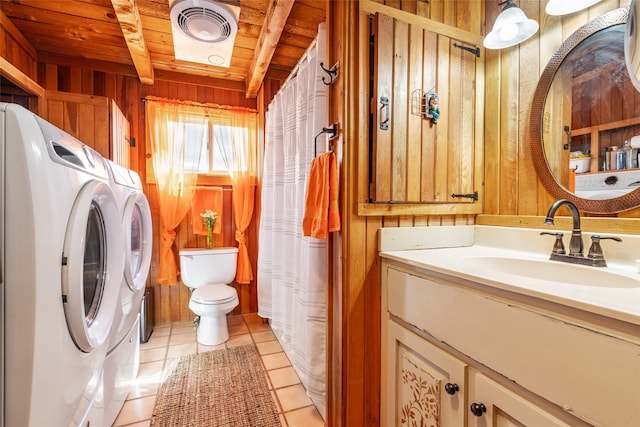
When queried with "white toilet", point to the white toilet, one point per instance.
{"points": [[207, 272]]}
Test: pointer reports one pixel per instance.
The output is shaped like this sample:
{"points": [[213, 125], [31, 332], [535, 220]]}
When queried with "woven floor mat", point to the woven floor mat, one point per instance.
{"points": [[221, 388]]}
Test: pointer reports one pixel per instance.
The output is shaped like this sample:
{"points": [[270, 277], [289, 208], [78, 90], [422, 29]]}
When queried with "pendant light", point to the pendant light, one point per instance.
{"points": [[511, 27], [565, 7]]}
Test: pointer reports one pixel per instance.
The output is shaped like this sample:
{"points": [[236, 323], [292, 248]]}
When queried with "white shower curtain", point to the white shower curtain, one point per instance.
{"points": [[292, 268]]}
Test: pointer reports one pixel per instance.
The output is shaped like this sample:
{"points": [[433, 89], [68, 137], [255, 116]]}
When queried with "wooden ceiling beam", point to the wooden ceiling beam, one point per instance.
{"points": [[129, 18], [272, 28]]}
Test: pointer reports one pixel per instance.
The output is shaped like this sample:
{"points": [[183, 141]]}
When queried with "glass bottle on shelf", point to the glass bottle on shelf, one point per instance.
{"points": [[628, 155], [613, 154]]}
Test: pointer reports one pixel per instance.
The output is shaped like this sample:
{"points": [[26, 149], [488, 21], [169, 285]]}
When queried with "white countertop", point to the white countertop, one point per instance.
{"points": [[614, 290]]}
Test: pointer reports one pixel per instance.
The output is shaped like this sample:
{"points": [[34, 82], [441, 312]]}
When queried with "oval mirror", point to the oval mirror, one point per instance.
{"points": [[584, 105]]}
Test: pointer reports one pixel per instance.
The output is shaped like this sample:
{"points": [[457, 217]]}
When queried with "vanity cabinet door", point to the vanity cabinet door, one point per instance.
{"points": [[491, 404], [421, 384]]}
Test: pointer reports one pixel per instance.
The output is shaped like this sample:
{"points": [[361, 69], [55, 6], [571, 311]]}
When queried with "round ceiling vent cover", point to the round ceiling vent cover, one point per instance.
{"points": [[205, 21]]}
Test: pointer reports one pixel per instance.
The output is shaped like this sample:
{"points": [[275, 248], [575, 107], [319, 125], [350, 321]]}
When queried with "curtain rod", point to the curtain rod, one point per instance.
{"points": [[207, 187], [199, 104]]}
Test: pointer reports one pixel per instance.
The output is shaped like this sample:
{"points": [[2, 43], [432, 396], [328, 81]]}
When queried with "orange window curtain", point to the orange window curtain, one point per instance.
{"points": [[239, 157], [176, 132]]}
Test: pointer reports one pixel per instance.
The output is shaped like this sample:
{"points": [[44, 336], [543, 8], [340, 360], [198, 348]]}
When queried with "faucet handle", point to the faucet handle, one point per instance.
{"points": [[595, 251], [558, 245]]}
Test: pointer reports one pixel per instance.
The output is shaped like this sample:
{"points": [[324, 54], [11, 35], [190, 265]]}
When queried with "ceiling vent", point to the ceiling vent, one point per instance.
{"points": [[204, 31]]}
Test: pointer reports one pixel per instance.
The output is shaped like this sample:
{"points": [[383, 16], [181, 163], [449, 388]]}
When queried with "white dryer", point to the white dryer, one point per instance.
{"points": [[121, 364], [63, 263]]}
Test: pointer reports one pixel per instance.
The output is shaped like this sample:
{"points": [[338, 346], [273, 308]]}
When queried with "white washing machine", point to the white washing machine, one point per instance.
{"points": [[121, 364], [63, 264], [607, 185]]}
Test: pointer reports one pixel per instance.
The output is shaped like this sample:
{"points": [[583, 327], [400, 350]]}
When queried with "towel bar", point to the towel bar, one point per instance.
{"points": [[333, 130]]}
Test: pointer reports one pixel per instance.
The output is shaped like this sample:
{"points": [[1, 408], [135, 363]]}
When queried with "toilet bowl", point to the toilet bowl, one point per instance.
{"points": [[207, 272]]}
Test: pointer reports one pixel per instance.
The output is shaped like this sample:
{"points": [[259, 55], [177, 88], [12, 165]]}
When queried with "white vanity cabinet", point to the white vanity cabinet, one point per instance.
{"points": [[526, 362], [491, 404]]}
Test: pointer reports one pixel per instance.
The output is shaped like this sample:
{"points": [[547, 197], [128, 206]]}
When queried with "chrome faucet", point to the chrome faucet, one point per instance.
{"points": [[575, 244], [575, 255]]}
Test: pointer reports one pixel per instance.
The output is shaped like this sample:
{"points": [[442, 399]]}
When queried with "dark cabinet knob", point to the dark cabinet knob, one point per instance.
{"points": [[451, 388], [478, 409]]}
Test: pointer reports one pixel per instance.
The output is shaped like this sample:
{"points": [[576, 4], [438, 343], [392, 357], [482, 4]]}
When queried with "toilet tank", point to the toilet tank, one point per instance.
{"points": [[199, 267]]}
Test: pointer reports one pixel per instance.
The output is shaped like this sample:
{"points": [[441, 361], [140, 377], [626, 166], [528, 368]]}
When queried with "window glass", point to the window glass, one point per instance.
{"points": [[218, 147], [192, 134]]}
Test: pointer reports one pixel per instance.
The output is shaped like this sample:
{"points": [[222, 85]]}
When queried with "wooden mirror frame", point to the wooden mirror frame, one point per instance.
{"points": [[616, 204]]}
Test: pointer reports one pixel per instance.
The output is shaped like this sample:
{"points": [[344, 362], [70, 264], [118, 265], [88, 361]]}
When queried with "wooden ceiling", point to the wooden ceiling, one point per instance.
{"points": [[134, 36]]}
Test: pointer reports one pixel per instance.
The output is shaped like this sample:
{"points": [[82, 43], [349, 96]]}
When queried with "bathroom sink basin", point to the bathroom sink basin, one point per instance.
{"points": [[549, 271]]}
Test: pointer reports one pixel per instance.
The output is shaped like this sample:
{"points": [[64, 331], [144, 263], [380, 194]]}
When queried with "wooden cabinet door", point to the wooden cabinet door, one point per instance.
{"points": [[415, 158], [421, 384], [85, 117], [496, 406]]}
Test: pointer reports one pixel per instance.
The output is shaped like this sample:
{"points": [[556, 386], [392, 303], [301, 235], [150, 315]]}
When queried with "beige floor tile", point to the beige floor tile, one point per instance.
{"points": [[153, 354], [204, 348], [275, 360], [136, 410], [283, 421], [181, 328], [161, 331], [268, 347], [145, 387], [150, 370], [155, 341], [253, 318], [258, 327], [235, 319], [239, 340], [182, 350], [283, 377], [304, 417], [184, 338], [256, 323], [240, 328], [293, 397], [263, 336]]}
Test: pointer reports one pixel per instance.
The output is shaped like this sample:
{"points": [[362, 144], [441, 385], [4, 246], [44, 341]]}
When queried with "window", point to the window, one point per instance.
{"points": [[215, 141]]}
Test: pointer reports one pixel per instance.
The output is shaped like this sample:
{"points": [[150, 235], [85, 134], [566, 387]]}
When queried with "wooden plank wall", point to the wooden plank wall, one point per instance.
{"points": [[171, 302]]}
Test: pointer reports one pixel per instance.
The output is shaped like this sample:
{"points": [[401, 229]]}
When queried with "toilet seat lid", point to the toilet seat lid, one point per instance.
{"points": [[214, 294]]}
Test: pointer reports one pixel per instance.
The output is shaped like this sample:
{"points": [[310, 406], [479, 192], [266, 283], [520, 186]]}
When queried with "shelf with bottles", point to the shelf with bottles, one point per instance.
{"points": [[600, 141]]}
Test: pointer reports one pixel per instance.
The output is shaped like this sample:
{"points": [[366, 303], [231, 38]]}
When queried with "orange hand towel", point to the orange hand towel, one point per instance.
{"points": [[203, 199], [334, 212], [321, 204]]}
